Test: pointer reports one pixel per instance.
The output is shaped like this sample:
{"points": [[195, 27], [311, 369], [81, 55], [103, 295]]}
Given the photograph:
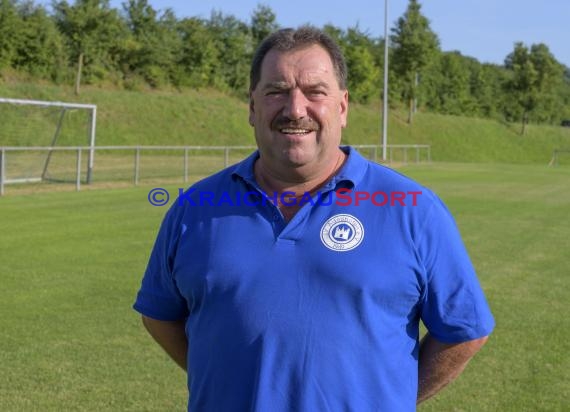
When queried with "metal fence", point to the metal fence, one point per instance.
{"points": [[134, 164]]}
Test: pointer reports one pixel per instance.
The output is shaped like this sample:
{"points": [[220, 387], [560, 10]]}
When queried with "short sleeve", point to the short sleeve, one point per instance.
{"points": [[453, 307], [159, 297]]}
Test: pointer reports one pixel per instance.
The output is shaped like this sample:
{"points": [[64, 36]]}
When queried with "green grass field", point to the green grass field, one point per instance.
{"points": [[72, 263]]}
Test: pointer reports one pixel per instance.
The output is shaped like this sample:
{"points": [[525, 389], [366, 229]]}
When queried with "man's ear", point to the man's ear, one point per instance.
{"points": [[251, 109], [343, 108]]}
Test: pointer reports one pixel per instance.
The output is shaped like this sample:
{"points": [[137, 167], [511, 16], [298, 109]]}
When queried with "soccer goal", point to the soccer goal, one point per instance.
{"points": [[37, 137], [560, 156]]}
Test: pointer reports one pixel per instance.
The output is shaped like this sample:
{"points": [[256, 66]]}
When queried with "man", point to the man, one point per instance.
{"points": [[298, 281]]}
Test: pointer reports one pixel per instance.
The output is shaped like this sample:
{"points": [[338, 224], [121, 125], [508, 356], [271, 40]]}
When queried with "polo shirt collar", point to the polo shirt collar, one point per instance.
{"points": [[351, 172]]}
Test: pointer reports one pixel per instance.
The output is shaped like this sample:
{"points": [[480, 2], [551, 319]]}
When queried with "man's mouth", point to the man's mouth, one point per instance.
{"points": [[298, 127], [290, 130]]}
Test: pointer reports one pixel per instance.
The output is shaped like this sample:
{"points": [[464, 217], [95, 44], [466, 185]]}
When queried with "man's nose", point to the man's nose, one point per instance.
{"points": [[296, 105]]}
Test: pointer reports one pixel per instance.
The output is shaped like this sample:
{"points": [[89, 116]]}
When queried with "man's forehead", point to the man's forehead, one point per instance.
{"points": [[311, 62], [310, 52]]}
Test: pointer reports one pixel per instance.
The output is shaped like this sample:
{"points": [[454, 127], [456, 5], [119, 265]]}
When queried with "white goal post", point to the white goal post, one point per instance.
{"points": [[92, 110]]}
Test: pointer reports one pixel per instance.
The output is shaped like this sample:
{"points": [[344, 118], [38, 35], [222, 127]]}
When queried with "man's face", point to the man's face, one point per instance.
{"points": [[298, 109]]}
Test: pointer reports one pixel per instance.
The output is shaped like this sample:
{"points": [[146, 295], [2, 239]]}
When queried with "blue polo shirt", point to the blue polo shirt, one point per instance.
{"points": [[320, 313]]}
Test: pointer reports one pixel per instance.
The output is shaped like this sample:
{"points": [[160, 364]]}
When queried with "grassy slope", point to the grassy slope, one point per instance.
{"points": [[208, 117]]}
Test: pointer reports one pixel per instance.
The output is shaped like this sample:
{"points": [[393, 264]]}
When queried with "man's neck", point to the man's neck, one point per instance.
{"points": [[271, 181]]}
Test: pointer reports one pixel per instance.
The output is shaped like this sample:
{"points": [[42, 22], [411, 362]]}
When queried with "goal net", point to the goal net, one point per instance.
{"points": [[39, 141], [560, 157]]}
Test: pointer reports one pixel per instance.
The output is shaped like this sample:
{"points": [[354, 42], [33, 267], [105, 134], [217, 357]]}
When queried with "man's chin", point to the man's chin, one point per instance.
{"points": [[298, 158]]}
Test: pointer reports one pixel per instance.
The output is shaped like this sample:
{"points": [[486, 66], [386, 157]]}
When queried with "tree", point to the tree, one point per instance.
{"points": [[364, 75], [363, 63], [452, 90], [550, 78], [41, 50], [415, 45], [564, 93], [233, 39], [199, 59], [93, 31], [11, 27], [155, 45], [486, 82], [263, 22], [535, 75]]}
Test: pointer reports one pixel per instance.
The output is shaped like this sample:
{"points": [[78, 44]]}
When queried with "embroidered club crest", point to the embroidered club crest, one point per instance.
{"points": [[342, 233]]}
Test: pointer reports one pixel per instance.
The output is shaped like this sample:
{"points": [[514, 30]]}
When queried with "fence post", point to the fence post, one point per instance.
{"points": [[91, 158], [2, 170], [185, 165], [226, 157], [137, 160], [417, 154], [78, 174]]}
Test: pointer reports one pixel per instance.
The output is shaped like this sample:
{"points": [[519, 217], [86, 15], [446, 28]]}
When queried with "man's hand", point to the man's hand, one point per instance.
{"points": [[171, 336], [440, 363]]}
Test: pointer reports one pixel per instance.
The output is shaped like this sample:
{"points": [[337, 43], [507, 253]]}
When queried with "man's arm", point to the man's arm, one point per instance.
{"points": [[440, 363], [171, 336]]}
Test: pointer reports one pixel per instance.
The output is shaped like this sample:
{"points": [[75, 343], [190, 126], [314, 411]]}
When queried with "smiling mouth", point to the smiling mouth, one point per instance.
{"points": [[293, 131], [294, 127]]}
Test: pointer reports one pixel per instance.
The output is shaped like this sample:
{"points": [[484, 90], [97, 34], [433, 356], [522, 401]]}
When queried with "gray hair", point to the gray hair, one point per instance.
{"points": [[290, 39]]}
